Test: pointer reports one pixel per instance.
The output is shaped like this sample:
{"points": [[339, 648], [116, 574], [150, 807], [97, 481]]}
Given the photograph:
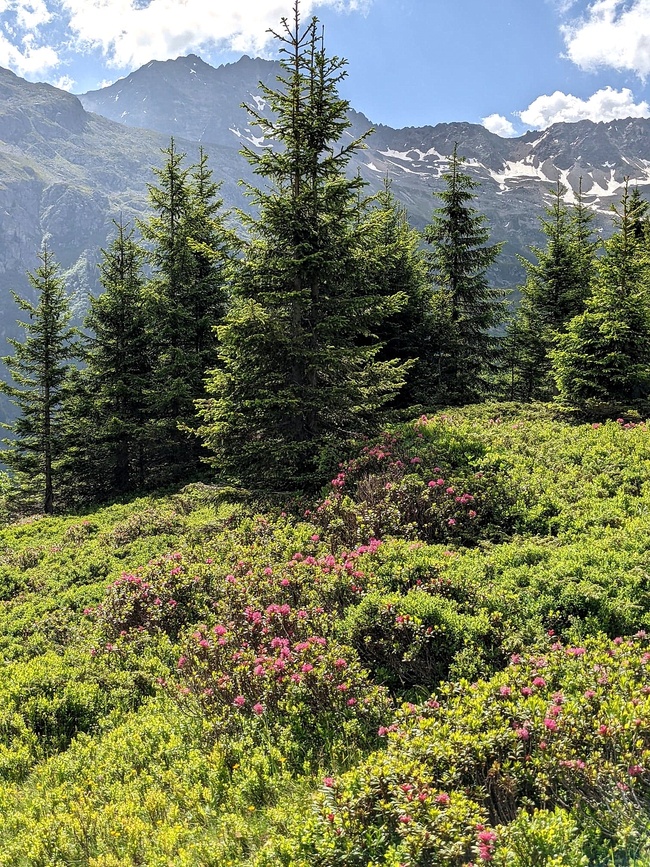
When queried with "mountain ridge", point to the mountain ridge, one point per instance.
{"points": [[70, 164]]}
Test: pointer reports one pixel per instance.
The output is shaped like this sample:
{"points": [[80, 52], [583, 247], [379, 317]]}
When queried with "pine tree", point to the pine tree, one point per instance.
{"points": [[294, 380], [38, 368], [107, 409], [189, 244], [556, 289], [605, 353], [468, 309]]}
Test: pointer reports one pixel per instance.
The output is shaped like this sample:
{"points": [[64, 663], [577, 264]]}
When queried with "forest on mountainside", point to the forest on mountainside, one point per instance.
{"points": [[268, 356], [314, 552]]}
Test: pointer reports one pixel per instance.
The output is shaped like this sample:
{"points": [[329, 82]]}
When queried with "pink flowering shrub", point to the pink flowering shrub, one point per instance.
{"points": [[388, 491], [276, 665], [568, 727], [160, 597]]}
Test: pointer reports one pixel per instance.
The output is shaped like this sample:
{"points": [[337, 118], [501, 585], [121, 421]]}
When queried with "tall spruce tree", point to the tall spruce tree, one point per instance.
{"points": [[107, 409], [38, 369], [467, 308], [556, 289], [295, 380], [188, 247], [604, 355]]}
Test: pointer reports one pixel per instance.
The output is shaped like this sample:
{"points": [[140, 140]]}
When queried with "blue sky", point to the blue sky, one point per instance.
{"points": [[510, 64]]}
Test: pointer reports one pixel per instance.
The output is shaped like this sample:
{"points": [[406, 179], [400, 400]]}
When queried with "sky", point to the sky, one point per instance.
{"points": [[512, 65]]}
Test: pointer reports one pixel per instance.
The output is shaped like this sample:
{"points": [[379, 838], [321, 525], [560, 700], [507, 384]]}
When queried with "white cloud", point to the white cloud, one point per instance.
{"points": [[31, 15], [605, 104], [65, 82], [612, 33], [27, 58], [130, 33], [499, 125]]}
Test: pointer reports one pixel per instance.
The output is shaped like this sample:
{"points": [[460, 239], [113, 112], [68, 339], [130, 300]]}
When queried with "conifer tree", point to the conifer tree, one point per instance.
{"points": [[556, 289], [467, 308], [189, 244], [38, 368], [604, 355], [107, 410], [391, 259], [295, 379]]}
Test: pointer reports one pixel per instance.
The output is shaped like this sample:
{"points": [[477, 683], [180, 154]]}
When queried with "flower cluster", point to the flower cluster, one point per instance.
{"points": [[276, 663], [388, 491]]}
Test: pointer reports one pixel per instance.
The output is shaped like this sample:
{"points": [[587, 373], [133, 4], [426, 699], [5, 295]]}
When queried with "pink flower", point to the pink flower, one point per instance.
{"points": [[550, 724], [315, 538], [340, 663], [451, 522], [351, 702], [539, 682], [307, 667], [267, 571], [635, 770], [526, 691], [328, 782], [471, 513], [239, 701], [442, 798], [258, 709], [181, 662], [522, 733], [505, 690], [405, 819], [382, 731]]}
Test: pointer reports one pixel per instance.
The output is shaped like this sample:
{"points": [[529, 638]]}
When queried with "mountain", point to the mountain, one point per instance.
{"points": [[71, 164], [188, 98]]}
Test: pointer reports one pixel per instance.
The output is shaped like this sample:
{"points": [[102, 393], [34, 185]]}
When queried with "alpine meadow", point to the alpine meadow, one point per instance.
{"points": [[319, 547]]}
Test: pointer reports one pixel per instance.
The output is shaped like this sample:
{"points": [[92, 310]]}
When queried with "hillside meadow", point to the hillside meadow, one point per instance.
{"points": [[442, 660]]}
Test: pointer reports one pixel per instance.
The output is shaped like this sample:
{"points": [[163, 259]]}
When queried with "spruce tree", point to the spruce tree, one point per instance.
{"points": [[467, 308], [295, 380], [556, 289], [107, 409], [188, 246], [391, 260], [604, 355], [38, 369]]}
